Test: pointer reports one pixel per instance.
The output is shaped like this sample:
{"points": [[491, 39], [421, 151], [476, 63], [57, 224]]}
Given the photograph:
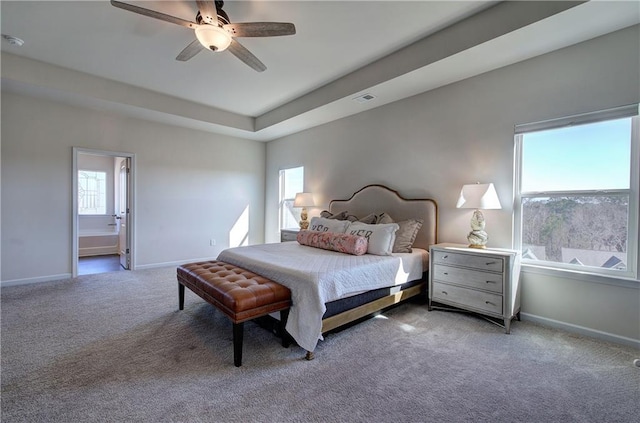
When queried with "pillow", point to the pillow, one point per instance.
{"points": [[369, 219], [338, 216], [383, 218], [342, 243], [380, 237], [322, 224], [406, 235]]}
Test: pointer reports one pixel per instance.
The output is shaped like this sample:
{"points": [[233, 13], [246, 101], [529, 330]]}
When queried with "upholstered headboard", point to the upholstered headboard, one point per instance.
{"points": [[380, 199]]}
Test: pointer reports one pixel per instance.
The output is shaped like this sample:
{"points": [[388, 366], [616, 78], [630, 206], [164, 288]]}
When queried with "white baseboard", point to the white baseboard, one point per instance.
{"points": [[39, 279], [172, 263], [592, 333], [68, 275]]}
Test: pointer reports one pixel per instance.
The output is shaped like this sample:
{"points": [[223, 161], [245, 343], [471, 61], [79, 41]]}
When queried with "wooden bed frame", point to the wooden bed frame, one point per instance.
{"points": [[378, 199]]}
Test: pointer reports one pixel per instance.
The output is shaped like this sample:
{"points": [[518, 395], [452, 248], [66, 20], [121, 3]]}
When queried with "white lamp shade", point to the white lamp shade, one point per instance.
{"points": [[478, 196], [213, 37], [303, 199]]}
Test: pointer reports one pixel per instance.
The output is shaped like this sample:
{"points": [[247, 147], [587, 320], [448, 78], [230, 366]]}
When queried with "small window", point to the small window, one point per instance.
{"points": [[576, 200], [291, 183], [92, 192]]}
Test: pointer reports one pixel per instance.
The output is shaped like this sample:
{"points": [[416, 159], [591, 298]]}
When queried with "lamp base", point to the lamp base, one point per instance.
{"points": [[477, 239], [304, 223]]}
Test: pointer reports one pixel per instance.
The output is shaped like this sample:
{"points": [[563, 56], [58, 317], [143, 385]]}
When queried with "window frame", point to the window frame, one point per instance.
{"points": [[281, 189], [633, 238]]}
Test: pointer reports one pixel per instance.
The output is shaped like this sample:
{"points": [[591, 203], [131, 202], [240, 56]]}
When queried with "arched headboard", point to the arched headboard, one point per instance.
{"points": [[381, 199]]}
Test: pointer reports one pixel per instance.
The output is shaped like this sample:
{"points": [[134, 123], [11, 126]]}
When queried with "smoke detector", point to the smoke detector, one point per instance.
{"points": [[14, 41]]}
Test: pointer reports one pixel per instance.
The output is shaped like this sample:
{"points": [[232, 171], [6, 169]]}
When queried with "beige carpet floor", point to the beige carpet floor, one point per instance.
{"points": [[114, 348]]}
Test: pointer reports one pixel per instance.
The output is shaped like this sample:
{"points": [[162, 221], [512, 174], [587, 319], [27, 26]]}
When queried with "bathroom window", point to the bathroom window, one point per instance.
{"points": [[92, 192]]}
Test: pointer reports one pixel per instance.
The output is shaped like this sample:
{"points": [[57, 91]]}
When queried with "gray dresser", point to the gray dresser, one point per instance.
{"points": [[483, 281], [288, 234]]}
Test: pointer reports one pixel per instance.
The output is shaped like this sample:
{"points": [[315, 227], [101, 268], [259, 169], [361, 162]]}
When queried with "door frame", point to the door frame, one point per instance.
{"points": [[74, 206]]}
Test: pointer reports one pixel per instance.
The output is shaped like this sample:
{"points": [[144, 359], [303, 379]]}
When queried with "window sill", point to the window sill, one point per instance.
{"points": [[621, 281]]}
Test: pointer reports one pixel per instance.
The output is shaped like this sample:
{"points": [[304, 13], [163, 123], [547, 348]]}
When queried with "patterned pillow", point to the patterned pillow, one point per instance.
{"points": [[322, 224], [342, 243], [380, 237]]}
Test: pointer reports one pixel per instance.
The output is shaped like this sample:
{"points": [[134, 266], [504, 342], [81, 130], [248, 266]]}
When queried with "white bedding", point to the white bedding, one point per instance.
{"points": [[317, 276]]}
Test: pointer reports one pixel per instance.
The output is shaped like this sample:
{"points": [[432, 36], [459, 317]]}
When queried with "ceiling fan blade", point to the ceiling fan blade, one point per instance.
{"points": [[246, 56], [208, 11], [260, 29], [153, 14], [189, 51]]}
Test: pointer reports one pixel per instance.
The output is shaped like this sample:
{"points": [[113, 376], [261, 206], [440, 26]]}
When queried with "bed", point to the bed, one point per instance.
{"points": [[330, 289]]}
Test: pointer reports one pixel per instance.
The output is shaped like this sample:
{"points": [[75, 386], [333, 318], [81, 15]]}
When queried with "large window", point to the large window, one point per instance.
{"points": [[92, 192], [291, 183], [577, 192]]}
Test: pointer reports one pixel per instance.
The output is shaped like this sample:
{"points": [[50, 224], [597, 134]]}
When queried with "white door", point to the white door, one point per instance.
{"points": [[123, 214]]}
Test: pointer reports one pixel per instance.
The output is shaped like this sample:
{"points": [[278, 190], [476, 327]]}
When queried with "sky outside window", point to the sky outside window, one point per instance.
{"points": [[593, 156]]}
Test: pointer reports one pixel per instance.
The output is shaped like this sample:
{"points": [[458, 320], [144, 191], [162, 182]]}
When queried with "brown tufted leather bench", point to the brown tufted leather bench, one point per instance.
{"points": [[240, 294]]}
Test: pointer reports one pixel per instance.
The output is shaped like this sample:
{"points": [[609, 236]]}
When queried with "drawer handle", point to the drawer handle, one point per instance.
{"points": [[445, 292], [444, 257], [445, 273], [490, 263], [491, 281], [489, 303]]}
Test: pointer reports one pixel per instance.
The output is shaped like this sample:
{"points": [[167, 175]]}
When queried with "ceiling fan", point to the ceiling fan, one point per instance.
{"points": [[214, 31]]}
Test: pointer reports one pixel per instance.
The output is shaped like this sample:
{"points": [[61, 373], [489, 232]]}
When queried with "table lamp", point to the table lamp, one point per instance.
{"points": [[304, 200], [478, 196]]}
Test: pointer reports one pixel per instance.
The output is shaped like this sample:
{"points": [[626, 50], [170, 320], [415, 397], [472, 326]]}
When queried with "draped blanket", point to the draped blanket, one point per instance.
{"points": [[317, 276]]}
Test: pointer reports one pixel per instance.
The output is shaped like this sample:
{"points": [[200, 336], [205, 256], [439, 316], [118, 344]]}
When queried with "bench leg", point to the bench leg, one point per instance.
{"points": [[180, 296], [238, 329]]}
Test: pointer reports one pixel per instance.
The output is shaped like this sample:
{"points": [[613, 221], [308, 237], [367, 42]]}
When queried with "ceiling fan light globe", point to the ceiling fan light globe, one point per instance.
{"points": [[213, 37]]}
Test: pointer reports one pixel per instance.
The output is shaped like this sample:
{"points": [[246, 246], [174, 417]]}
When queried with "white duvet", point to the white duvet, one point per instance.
{"points": [[317, 276]]}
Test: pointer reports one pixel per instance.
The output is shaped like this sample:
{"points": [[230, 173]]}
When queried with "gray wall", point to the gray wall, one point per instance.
{"points": [[191, 186], [431, 144]]}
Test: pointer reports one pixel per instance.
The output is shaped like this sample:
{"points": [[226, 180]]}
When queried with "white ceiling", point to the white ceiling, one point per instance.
{"points": [[392, 49]]}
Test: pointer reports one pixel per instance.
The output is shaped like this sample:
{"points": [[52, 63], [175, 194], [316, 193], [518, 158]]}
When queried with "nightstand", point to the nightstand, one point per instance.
{"points": [[482, 281], [289, 234]]}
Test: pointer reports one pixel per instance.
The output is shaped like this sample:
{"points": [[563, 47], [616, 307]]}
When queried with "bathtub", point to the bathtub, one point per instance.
{"points": [[97, 236], [93, 243]]}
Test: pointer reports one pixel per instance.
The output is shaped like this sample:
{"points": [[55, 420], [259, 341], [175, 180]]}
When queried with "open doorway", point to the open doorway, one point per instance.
{"points": [[103, 207]]}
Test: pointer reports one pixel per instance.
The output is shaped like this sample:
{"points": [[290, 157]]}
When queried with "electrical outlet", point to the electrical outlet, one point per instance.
{"points": [[212, 242]]}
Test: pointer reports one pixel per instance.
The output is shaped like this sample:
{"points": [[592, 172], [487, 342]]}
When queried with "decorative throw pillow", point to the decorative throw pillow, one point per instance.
{"points": [[380, 237], [369, 219], [322, 224], [342, 243], [383, 218], [338, 216], [406, 235]]}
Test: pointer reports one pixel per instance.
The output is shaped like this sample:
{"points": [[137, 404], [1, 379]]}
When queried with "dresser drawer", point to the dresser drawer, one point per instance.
{"points": [[492, 264], [288, 235], [468, 298], [468, 277]]}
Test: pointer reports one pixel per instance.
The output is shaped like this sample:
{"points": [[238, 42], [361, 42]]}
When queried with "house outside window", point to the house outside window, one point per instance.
{"points": [[92, 192], [576, 200], [291, 182]]}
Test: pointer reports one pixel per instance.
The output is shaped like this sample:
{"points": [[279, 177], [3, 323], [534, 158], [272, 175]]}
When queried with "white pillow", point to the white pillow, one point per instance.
{"points": [[323, 224], [380, 237]]}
